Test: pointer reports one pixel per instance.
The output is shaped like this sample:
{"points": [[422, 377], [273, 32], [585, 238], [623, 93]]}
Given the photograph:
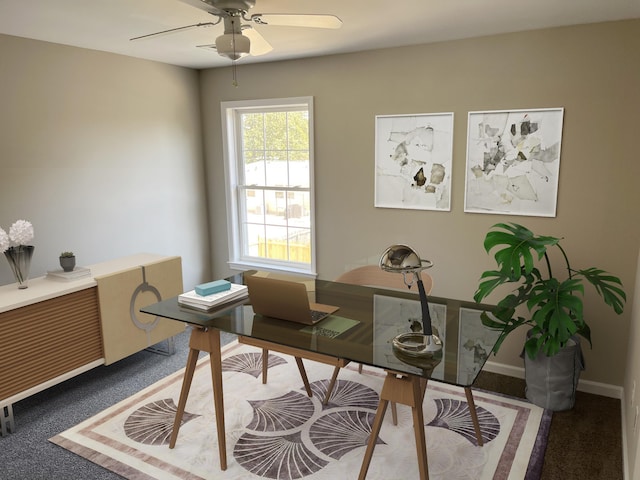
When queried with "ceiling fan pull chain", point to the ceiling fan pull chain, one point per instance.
{"points": [[235, 77], [235, 56]]}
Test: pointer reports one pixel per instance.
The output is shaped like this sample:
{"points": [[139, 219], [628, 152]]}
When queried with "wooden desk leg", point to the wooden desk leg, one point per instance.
{"points": [[265, 365], [394, 413], [406, 390], [418, 427], [474, 415], [303, 374], [206, 341], [215, 359], [375, 430], [192, 359], [332, 384]]}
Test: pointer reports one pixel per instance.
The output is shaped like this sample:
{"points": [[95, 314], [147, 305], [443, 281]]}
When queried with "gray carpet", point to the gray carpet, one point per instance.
{"points": [[584, 443], [27, 454]]}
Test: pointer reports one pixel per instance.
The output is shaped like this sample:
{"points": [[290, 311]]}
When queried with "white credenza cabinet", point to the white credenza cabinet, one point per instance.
{"points": [[56, 329]]}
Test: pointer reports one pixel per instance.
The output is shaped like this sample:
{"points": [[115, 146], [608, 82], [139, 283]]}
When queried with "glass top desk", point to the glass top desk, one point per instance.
{"points": [[365, 324]]}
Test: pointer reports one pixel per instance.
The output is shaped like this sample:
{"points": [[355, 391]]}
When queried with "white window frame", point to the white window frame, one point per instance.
{"points": [[231, 144]]}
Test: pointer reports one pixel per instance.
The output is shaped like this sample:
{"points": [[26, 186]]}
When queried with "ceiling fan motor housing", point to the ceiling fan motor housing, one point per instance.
{"points": [[243, 5], [233, 46]]}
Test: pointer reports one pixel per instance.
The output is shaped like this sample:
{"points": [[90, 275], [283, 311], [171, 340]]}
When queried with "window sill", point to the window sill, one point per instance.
{"points": [[267, 267]]}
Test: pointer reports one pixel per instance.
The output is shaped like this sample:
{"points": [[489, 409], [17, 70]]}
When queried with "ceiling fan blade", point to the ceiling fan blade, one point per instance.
{"points": [[209, 46], [295, 20], [175, 30], [259, 46]]}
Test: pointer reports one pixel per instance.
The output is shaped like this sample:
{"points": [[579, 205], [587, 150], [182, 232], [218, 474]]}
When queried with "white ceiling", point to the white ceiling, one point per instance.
{"points": [[367, 24]]}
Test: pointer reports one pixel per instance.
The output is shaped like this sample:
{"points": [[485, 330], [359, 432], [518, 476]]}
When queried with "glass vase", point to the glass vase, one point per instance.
{"points": [[19, 259]]}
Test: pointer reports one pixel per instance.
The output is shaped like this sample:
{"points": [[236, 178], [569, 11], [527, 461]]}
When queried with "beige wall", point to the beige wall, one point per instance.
{"points": [[592, 71], [102, 153], [631, 399]]}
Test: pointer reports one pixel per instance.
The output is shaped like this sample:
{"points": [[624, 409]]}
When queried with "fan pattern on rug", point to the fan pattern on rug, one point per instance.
{"points": [[278, 432], [274, 447]]}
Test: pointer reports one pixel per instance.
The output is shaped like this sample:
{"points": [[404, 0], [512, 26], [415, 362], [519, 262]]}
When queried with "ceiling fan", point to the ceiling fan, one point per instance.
{"points": [[241, 39]]}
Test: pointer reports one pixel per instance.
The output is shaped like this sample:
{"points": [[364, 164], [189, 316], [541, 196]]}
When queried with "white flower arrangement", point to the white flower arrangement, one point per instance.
{"points": [[20, 233], [4, 240]]}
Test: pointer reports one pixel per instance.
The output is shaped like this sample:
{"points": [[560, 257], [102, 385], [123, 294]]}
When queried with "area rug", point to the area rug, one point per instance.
{"points": [[276, 431]]}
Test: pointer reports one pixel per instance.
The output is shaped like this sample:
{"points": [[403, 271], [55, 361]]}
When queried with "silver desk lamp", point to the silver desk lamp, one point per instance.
{"points": [[405, 260]]}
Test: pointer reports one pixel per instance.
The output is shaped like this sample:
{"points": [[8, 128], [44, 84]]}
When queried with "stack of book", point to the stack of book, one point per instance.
{"points": [[223, 292], [75, 274]]}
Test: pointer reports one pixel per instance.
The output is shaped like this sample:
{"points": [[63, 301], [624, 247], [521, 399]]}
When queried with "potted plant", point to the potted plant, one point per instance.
{"points": [[551, 306], [67, 261]]}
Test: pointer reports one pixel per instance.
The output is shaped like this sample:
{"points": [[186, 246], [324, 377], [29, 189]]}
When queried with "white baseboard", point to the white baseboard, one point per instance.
{"points": [[501, 368], [604, 389], [625, 445], [587, 386]]}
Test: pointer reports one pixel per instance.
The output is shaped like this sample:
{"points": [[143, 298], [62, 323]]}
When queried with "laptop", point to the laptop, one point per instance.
{"points": [[285, 300]]}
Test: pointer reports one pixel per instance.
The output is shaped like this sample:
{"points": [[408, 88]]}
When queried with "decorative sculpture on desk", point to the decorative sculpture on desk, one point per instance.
{"points": [[405, 260]]}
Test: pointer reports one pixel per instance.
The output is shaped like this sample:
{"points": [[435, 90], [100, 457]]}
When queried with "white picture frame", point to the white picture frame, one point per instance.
{"points": [[413, 161], [513, 161]]}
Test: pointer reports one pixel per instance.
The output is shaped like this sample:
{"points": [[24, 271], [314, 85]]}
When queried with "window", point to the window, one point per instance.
{"points": [[268, 148]]}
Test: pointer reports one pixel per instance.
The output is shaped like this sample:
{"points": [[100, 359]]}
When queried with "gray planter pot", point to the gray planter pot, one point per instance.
{"points": [[552, 381], [68, 263]]}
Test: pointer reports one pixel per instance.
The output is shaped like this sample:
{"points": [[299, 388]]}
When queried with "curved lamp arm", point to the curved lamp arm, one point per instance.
{"points": [[404, 259], [424, 303]]}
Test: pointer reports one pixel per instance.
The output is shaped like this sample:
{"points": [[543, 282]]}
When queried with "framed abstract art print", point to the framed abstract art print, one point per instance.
{"points": [[513, 162], [413, 161]]}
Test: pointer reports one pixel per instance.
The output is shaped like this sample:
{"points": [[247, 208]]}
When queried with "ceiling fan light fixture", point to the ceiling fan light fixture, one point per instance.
{"points": [[233, 46]]}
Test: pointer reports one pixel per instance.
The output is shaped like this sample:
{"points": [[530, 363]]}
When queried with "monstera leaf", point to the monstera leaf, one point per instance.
{"points": [[608, 286], [557, 310], [554, 306], [516, 258]]}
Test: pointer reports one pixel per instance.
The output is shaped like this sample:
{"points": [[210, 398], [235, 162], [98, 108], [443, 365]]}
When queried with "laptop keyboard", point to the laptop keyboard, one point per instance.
{"points": [[317, 315], [321, 331], [325, 332]]}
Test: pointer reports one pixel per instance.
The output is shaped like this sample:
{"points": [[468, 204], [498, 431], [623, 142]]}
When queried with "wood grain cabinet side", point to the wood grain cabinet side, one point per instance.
{"points": [[48, 339]]}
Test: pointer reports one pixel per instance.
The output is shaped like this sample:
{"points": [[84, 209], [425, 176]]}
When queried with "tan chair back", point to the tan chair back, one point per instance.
{"points": [[374, 276]]}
